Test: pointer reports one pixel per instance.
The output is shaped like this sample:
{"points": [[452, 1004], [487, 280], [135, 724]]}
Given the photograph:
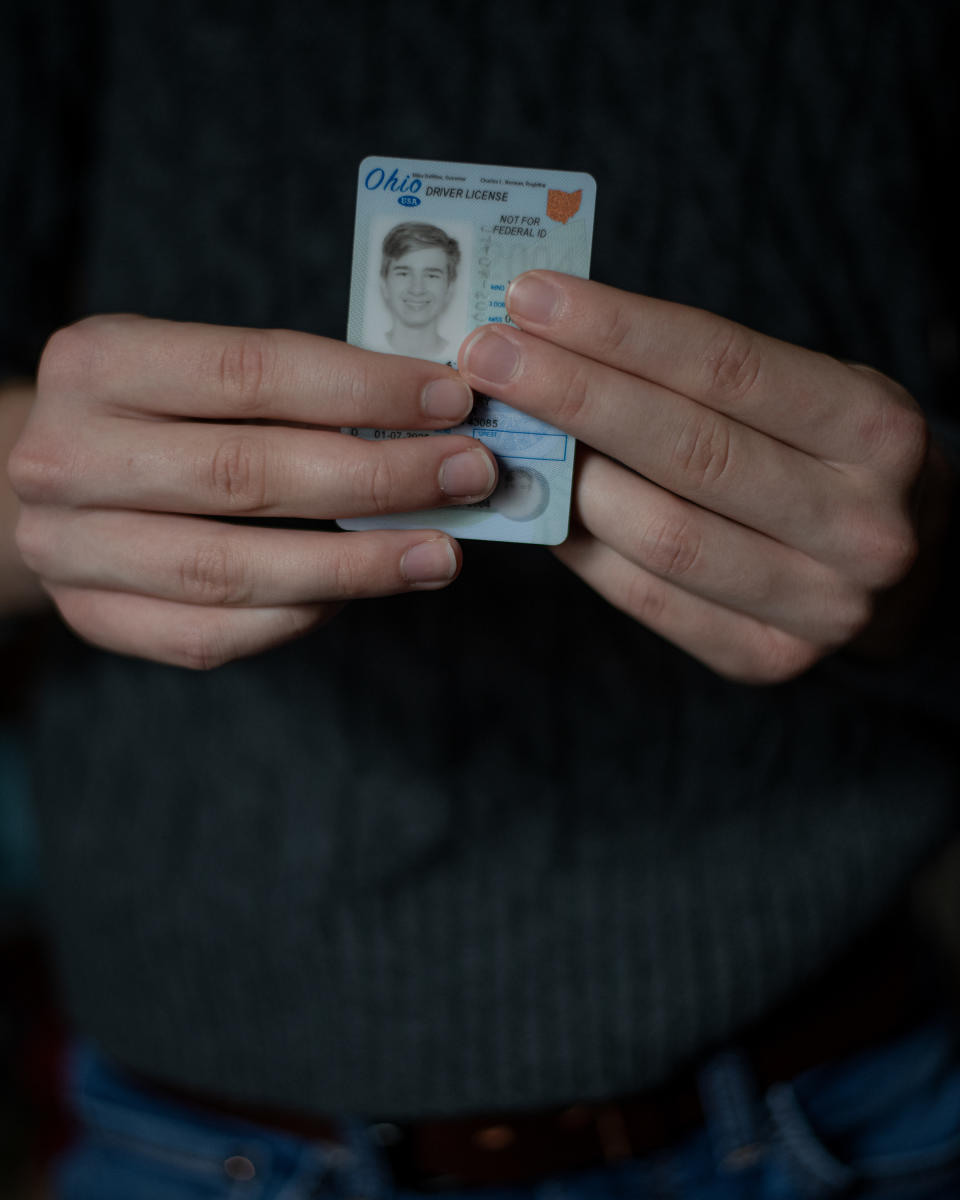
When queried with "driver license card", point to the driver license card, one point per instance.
{"points": [[435, 246]]}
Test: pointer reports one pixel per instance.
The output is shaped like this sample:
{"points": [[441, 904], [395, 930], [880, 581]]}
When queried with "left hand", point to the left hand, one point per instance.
{"points": [[743, 497]]}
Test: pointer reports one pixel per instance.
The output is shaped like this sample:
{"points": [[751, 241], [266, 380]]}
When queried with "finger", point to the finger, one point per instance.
{"points": [[714, 558], [249, 470], [196, 561], [686, 448], [181, 635], [730, 643], [808, 400], [169, 368]]}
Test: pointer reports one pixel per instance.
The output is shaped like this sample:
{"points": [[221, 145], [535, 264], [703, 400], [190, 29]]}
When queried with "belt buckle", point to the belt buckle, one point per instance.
{"points": [[614, 1135], [609, 1125], [504, 1152]]}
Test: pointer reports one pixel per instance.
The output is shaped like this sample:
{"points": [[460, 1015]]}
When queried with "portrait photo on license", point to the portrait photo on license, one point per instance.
{"points": [[417, 287]]}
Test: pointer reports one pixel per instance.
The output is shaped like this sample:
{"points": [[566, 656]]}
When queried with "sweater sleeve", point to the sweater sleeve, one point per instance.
{"points": [[924, 674], [47, 77]]}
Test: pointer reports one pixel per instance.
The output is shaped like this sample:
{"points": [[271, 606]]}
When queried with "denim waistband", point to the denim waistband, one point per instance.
{"points": [[885, 1121]]}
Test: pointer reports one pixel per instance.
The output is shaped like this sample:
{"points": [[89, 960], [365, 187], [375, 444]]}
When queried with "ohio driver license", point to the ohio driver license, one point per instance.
{"points": [[435, 246]]}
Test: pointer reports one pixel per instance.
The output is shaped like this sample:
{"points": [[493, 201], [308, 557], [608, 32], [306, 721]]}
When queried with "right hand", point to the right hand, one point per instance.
{"points": [[141, 433]]}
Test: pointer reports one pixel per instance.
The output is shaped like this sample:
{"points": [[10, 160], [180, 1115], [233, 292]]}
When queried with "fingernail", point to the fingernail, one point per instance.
{"points": [[446, 399], [429, 562], [491, 357], [470, 473], [533, 299]]}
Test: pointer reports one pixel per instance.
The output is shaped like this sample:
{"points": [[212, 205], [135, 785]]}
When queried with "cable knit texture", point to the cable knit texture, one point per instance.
{"points": [[497, 846]]}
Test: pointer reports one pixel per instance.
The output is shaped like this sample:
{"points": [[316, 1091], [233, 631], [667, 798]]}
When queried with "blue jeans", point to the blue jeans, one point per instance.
{"points": [[882, 1124]]}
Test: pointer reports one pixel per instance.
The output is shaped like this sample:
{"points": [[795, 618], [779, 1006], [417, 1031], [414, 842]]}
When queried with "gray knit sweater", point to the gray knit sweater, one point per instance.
{"points": [[567, 859]]}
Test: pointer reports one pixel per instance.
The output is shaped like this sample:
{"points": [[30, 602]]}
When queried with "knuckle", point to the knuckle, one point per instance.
{"points": [[355, 386], [618, 335], [236, 475], [32, 541], [246, 367], [376, 483], [912, 441], [212, 574], [770, 657], [39, 468], [72, 354], [908, 439], [893, 431], [896, 556], [65, 357], [703, 450], [574, 395], [645, 599], [202, 646], [881, 551], [672, 548], [731, 365], [79, 353], [850, 618], [347, 575]]}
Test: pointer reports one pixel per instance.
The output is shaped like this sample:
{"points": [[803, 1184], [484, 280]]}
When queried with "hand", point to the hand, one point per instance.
{"points": [[20, 592], [745, 498], [141, 433]]}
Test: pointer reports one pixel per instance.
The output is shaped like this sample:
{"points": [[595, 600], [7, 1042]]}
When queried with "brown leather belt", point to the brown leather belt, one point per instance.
{"points": [[872, 994]]}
